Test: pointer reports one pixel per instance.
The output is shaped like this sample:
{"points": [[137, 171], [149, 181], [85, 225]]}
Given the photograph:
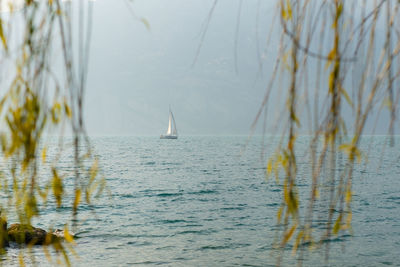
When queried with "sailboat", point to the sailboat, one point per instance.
{"points": [[172, 132]]}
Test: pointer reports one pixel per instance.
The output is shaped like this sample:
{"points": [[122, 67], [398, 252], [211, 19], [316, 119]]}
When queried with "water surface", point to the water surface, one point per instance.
{"points": [[204, 201]]}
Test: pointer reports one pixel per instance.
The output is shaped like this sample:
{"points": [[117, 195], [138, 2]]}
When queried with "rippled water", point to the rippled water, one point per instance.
{"points": [[204, 201]]}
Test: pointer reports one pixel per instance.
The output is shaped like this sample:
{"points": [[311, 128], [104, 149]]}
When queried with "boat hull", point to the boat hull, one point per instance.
{"points": [[168, 137]]}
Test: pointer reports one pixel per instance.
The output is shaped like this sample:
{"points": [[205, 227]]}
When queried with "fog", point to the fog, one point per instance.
{"points": [[149, 55], [136, 72]]}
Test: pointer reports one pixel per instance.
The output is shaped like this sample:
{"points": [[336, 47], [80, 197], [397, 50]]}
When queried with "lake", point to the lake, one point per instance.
{"points": [[205, 201]]}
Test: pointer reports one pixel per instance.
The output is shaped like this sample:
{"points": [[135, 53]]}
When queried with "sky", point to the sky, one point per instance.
{"points": [[147, 56], [136, 73]]}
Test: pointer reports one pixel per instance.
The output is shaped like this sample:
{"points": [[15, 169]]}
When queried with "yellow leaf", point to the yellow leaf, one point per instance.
{"points": [[279, 214], [339, 10], [56, 112], [2, 36], [336, 227], [286, 13], [346, 96], [78, 194], [269, 167], [332, 82], [285, 62], [348, 196], [331, 56], [44, 152], [316, 193], [345, 147], [58, 188], [348, 219], [293, 202], [352, 151], [67, 110], [43, 193], [68, 237], [283, 12], [94, 170], [289, 9], [21, 260], [296, 244], [388, 103], [277, 162], [286, 193], [146, 23], [284, 159], [289, 234]]}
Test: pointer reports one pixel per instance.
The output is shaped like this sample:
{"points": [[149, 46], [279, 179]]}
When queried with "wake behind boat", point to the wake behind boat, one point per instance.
{"points": [[172, 132]]}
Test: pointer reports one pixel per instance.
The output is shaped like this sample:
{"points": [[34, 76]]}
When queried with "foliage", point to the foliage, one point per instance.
{"points": [[38, 101], [328, 49]]}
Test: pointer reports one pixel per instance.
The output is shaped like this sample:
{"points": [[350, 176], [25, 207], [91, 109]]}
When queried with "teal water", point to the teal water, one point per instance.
{"points": [[204, 201]]}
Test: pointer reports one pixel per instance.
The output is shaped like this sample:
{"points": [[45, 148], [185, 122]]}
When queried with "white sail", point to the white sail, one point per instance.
{"points": [[169, 131], [172, 132]]}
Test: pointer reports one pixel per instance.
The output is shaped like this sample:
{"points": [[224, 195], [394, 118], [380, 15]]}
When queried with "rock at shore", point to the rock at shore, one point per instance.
{"points": [[26, 234], [3, 233]]}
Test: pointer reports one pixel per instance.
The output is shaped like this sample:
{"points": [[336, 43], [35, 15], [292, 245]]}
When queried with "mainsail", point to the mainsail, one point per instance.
{"points": [[172, 132], [169, 131]]}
